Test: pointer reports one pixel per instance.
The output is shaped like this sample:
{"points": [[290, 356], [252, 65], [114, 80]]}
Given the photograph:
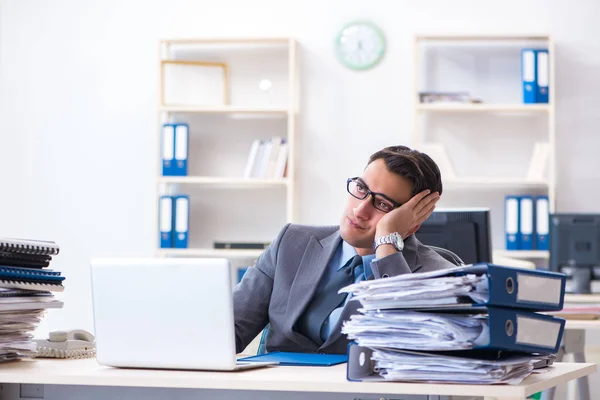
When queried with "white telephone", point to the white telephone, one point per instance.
{"points": [[75, 343]]}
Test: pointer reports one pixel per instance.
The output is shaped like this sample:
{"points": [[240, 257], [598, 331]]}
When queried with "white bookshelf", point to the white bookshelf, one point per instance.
{"points": [[226, 253], [221, 132], [516, 108], [523, 254], [225, 182], [481, 152]]}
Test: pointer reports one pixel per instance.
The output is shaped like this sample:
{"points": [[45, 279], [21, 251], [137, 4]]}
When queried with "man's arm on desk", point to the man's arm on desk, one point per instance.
{"points": [[251, 297]]}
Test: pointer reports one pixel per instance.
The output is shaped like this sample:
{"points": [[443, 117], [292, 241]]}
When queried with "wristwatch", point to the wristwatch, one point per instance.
{"points": [[393, 238]]}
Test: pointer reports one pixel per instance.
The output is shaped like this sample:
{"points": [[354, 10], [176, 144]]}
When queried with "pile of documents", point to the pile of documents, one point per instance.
{"points": [[26, 291], [471, 324]]}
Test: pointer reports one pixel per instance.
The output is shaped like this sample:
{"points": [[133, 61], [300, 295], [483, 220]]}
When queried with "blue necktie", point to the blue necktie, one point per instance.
{"points": [[326, 301]]}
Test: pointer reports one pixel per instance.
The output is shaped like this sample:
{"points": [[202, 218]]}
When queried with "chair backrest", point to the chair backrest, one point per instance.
{"points": [[448, 255]]}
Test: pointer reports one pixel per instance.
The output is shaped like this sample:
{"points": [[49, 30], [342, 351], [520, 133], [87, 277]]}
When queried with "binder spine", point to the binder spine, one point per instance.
{"points": [[511, 216], [543, 75], [523, 289], [542, 222], [526, 222], [181, 149], [181, 226], [524, 331], [528, 75]]}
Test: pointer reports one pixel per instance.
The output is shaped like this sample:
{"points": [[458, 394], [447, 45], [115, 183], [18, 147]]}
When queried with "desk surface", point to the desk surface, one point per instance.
{"points": [[291, 379], [582, 298], [582, 323]]}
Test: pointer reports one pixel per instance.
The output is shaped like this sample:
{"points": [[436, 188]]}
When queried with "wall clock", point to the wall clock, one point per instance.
{"points": [[360, 45]]}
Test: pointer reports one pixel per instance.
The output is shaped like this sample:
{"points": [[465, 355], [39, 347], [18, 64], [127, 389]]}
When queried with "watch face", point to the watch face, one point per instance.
{"points": [[360, 46]]}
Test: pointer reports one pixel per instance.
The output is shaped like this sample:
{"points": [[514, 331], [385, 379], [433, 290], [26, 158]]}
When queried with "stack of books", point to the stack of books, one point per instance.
{"points": [[475, 324], [26, 291]]}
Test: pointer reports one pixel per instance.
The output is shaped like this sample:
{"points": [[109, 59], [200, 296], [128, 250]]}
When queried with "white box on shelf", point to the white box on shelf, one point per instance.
{"points": [[194, 83]]}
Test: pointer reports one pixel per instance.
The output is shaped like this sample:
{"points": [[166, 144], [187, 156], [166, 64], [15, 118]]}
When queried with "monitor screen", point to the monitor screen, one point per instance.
{"points": [[465, 232], [575, 248]]}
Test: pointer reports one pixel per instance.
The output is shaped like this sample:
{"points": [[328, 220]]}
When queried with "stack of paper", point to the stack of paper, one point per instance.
{"points": [[416, 331], [443, 368], [465, 324], [25, 293]]}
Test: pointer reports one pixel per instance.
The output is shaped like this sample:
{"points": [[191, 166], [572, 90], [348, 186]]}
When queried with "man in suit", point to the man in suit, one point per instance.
{"points": [[294, 283]]}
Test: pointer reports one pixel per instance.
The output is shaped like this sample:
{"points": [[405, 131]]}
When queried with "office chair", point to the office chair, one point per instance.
{"points": [[447, 254]]}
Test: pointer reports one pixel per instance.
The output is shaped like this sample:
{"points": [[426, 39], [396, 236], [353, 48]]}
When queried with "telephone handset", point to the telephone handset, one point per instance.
{"points": [[74, 343]]}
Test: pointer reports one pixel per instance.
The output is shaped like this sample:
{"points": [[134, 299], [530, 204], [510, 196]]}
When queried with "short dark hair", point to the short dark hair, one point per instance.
{"points": [[417, 167]]}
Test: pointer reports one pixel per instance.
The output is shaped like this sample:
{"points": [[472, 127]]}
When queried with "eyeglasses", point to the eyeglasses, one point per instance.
{"points": [[358, 189]]}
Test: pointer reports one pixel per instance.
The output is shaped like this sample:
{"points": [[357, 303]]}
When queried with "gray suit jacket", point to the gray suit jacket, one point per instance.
{"points": [[279, 286]]}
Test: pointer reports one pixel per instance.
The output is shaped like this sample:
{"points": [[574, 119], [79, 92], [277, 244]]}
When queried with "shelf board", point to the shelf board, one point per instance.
{"points": [[493, 182], [523, 254], [224, 182], [482, 107], [479, 37], [207, 252], [250, 111]]}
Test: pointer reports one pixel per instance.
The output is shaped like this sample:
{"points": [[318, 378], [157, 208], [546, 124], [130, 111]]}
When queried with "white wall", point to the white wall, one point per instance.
{"points": [[78, 101]]}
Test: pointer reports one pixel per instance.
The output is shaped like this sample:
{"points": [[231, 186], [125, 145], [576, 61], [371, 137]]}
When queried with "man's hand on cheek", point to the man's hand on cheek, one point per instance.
{"points": [[407, 219]]}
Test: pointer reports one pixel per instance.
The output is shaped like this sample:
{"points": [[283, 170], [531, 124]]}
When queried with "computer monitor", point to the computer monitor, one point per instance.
{"points": [[575, 249], [464, 231]]}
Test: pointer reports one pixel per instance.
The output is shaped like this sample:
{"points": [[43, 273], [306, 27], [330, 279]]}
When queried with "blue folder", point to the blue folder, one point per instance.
{"points": [[299, 359], [519, 331], [529, 75], [509, 287]]}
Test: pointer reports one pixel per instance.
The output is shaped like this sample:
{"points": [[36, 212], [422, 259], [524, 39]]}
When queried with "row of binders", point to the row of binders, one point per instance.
{"points": [[535, 73], [475, 324], [267, 159], [527, 222], [174, 149], [173, 221], [26, 288]]}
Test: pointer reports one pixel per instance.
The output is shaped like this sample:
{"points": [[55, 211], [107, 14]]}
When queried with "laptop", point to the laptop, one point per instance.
{"points": [[169, 313]]}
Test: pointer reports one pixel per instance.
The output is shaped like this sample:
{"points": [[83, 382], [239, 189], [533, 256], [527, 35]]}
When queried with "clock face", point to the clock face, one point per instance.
{"points": [[360, 46]]}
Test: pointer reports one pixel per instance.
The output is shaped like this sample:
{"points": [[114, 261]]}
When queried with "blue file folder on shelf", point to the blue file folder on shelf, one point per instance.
{"points": [[481, 328], [542, 222], [182, 218], [526, 222], [299, 359], [511, 221], [462, 288], [528, 75], [165, 221], [543, 76], [167, 149], [181, 149]]}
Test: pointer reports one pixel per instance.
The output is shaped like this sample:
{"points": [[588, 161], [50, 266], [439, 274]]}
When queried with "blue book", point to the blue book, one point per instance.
{"points": [[511, 222], [542, 75], [181, 207], [30, 275], [542, 222], [165, 221], [529, 75], [181, 150], [167, 149], [299, 359]]}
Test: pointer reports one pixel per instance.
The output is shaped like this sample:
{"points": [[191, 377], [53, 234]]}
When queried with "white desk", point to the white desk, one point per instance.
{"points": [[574, 342], [276, 379]]}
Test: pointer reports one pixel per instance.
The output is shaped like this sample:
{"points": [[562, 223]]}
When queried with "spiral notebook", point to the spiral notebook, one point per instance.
{"points": [[29, 246], [24, 260]]}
